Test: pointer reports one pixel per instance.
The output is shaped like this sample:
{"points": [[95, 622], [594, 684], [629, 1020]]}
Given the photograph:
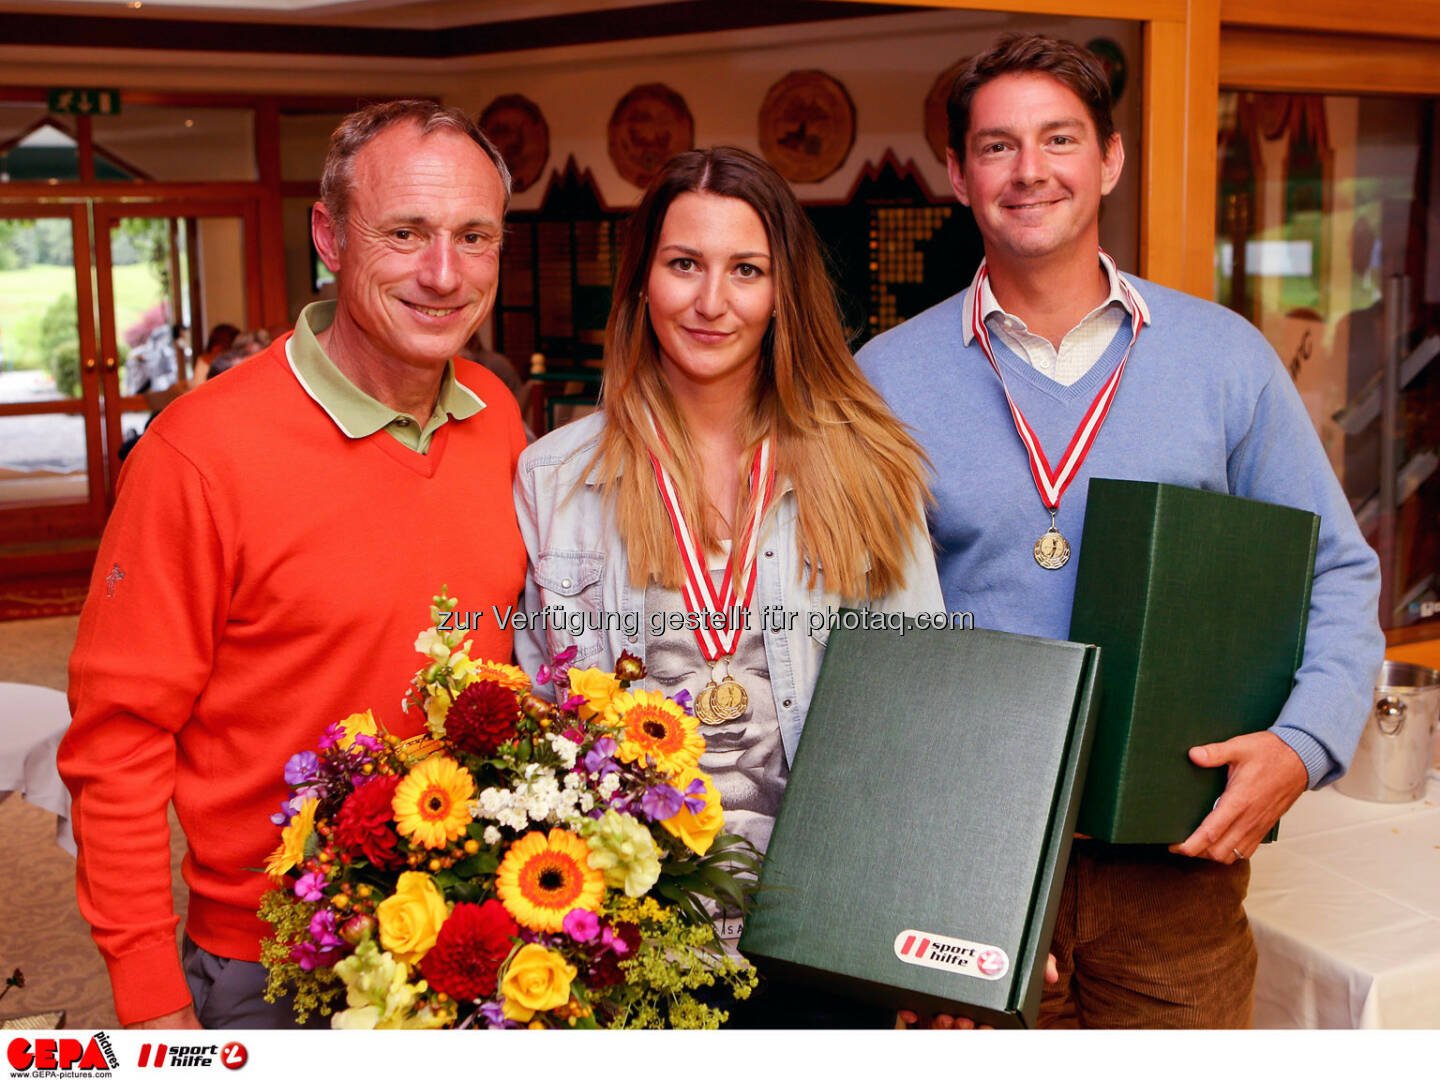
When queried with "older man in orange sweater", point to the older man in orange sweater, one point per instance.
{"points": [[271, 556]]}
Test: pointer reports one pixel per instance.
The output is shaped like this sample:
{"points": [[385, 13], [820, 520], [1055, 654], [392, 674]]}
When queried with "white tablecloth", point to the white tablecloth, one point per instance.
{"points": [[1346, 913], [32, 720]]}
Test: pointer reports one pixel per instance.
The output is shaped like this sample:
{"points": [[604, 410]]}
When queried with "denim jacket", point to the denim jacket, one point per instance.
{"points": [[578, 565]]}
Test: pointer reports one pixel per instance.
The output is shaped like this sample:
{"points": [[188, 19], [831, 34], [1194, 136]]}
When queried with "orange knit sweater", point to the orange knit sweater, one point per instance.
{"points": [[262, 576]]}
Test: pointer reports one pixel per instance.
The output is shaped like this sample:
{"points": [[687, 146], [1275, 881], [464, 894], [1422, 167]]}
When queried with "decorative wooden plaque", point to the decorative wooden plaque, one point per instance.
{"points": [[937, 121], [518, 129], [807, 126], [649, 127]]}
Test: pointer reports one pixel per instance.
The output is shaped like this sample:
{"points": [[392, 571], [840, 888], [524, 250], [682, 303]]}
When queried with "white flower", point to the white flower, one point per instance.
{"points": [[513, 819], [609, 785], [491, 836], [432, 644], [567, 749]]}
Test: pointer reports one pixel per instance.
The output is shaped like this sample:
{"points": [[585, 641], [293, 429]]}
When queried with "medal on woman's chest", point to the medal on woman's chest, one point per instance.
{"points": [[724, 701], [720, 627], [1052, 549]]}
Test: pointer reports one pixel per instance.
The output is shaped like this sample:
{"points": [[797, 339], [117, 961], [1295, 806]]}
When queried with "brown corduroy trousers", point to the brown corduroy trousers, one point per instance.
{"points": [[1147, 939]]}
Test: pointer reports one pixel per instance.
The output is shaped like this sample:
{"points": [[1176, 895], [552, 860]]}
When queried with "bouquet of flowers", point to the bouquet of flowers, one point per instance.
{"points": [[522, 863]]}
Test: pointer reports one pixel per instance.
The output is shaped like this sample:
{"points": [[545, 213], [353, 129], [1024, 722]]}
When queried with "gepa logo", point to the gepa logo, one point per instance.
{"points": [[951, 954], [34, 1058]]}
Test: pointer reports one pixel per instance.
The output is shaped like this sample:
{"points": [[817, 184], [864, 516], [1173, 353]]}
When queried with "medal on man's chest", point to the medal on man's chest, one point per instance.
{"points": [[1051, 548]]}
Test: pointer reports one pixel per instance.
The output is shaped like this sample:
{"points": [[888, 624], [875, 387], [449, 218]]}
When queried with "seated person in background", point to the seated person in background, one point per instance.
{"points": [[222, 337], [733, 414]]}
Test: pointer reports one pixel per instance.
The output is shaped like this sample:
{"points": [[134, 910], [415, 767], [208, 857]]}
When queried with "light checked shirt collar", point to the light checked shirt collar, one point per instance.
{"points": [[990, 307], [356, 413]]}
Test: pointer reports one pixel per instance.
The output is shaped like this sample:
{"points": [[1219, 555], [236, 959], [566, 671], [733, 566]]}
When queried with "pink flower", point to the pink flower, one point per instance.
{"points": [[582, 925]]}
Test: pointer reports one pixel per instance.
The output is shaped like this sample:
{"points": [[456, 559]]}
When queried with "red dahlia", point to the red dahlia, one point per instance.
{"points": [[472, 945], [482, 717], [365, 824], [605, 968]]}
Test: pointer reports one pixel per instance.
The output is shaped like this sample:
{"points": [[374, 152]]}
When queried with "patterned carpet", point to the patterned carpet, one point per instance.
{"points": [[41, 929], [50, 595]]}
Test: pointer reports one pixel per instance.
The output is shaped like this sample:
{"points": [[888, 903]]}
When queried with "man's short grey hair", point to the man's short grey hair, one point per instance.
{"points": [[364, 124]]}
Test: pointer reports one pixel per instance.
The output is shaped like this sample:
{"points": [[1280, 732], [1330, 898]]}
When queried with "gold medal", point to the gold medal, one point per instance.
{"points": [[1052, 550], [704, 712], [720, 702]]}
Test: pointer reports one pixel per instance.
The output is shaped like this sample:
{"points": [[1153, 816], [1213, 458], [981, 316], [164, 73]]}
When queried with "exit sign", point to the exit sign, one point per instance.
{"points": [[85, 102]]}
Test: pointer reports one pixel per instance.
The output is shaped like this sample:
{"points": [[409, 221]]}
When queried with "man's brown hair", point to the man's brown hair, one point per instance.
{"points": [[1074, 67], [365, 123]]}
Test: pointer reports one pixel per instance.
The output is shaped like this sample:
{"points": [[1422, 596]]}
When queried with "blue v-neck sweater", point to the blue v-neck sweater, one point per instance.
{"points": [[1204, 402]]}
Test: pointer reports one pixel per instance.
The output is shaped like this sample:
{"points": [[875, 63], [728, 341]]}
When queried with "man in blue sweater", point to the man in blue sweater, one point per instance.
{"points": [[1052, 348]]}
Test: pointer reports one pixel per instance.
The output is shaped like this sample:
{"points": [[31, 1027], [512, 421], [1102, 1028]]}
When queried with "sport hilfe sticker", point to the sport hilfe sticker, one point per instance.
{"points": [[951, 954]]}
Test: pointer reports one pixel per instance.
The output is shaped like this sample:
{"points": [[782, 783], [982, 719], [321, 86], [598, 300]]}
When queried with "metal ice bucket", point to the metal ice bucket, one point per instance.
{"points": [[1397, 744]]}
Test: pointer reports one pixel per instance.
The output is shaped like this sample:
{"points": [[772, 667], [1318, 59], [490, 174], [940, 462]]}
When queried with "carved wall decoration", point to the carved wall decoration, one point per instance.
{"points": [[807, 126], [649, 127]]}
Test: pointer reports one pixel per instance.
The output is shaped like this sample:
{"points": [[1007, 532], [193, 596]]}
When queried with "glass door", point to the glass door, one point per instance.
{"points": [[1328, 240], [52, 475], [104, 307], [167, 275]]}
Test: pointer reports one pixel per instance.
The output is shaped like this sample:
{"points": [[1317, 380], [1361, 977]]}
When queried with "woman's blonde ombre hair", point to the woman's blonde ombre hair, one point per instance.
{"points": [[859, 477]]}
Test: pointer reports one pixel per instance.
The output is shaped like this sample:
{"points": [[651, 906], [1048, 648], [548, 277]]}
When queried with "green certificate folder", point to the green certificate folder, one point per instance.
{"points": [[919, 851], [1199, 602]]}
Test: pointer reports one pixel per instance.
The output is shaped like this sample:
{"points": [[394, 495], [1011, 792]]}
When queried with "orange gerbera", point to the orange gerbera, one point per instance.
{"points": [[507, 675], [432, 803], [541, 879], [655, 730]]}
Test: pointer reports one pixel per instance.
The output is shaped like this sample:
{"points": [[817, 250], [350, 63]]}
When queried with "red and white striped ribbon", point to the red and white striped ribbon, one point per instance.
{"points": [[699, 591], [1051, 483]]}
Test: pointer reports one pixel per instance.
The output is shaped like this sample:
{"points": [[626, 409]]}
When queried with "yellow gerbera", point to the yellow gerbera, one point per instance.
{"points": [[541, 879], [507, 675], [432, 803], [656, 731], [292, 841]]}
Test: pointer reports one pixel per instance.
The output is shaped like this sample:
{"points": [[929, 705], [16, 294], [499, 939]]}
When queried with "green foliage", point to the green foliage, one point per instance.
{"points": [[60, 344], [316, 989], [149, 239], [675, 959]]}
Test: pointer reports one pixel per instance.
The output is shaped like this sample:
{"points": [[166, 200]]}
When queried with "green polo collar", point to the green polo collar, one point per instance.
{"points": [[356, 413]]}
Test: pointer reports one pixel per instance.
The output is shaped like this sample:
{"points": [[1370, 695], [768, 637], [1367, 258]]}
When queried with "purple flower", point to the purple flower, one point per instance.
{"points": [[494, 1015], [333, 735], [302, 767], [367, 742], [574, 702], [325, 948], [323, 931], [310, 886], [557, 669], [662, 802], [683, 699], [597, 759], [581, 924], [695, 796]]}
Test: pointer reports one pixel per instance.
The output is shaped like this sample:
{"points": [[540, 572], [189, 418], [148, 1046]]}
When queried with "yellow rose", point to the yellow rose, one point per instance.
{"points": [[696, 830], [538, 979], [411, 918], [596, 687]]}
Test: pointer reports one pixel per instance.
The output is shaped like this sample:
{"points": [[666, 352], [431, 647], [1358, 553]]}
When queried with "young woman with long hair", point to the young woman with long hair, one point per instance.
{"points": [[737, 442]]}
